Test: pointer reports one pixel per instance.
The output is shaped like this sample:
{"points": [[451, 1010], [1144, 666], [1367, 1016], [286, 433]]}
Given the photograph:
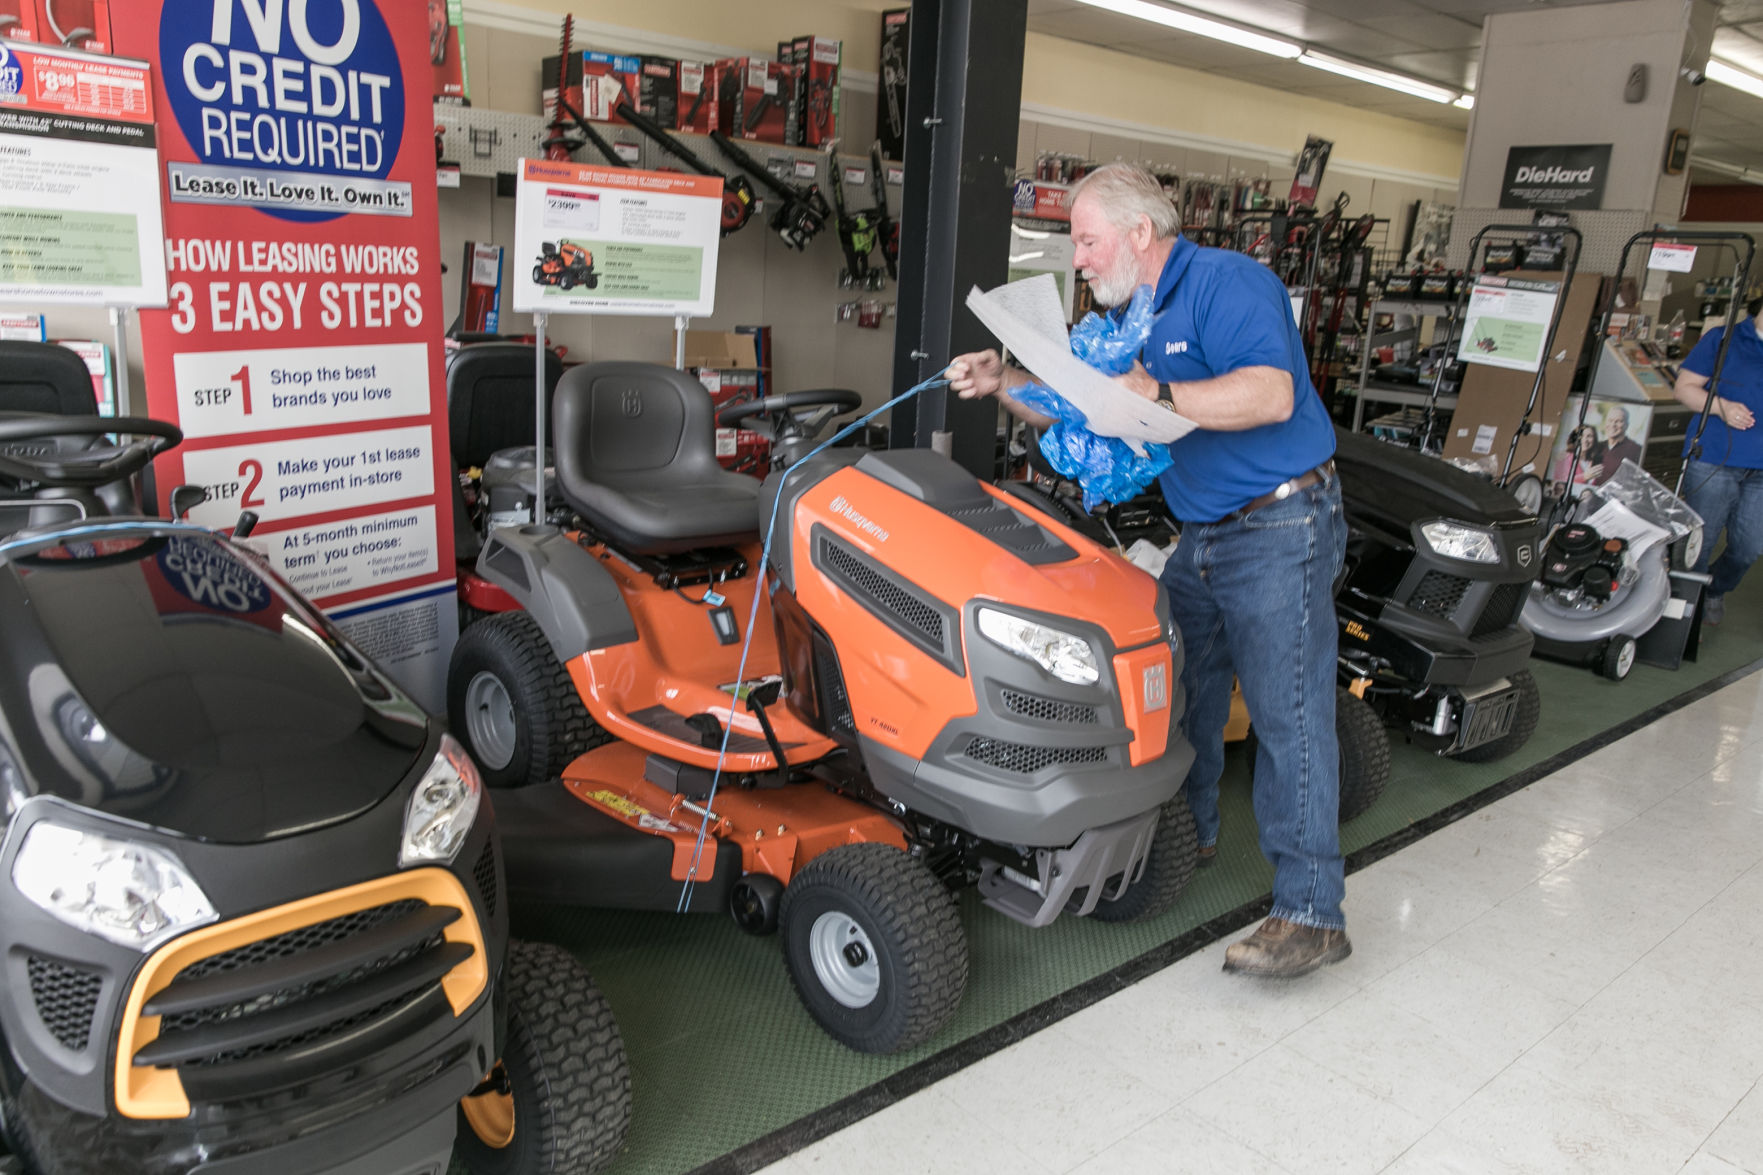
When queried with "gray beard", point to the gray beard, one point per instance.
{"points": [[1113, 289]]}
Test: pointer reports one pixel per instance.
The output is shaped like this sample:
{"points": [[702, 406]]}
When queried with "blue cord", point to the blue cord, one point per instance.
{"points": [[685, 897]]}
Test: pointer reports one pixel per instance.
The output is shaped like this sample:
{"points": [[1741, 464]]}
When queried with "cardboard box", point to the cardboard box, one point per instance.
{"points": [[699, 105], [1492, 399], [658, 89], [819, 107], [548, 83], [24, 327], [890, 97], [18, 20], [798, 57], [97, 359], [78, 24], [722, 350], [452, 84], [757, 99]]}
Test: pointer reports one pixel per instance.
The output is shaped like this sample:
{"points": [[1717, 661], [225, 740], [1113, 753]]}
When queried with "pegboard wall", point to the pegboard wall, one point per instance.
{"points": [[1604, 232]]}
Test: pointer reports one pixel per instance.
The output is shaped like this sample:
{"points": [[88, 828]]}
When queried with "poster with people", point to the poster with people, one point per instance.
{"points": [[1614, 431]]}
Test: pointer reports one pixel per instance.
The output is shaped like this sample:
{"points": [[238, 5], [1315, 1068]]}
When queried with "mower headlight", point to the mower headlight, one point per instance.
{"points": [[442, 809], [1067, 657], [1453, 540], [133, 894]]}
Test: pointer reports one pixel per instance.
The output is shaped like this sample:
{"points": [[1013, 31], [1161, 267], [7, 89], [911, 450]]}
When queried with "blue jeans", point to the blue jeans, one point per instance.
{"points": [[1728, 499], [1256, 597]]}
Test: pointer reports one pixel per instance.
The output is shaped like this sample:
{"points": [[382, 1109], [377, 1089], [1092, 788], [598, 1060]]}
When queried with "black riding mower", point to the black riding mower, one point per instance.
{"points": [[943, 689], [254, 917]]}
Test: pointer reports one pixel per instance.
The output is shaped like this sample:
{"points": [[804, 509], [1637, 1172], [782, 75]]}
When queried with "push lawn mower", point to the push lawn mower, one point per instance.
{"points": [[254, 916], [943, 689], [1606, 573], [566, 265]]}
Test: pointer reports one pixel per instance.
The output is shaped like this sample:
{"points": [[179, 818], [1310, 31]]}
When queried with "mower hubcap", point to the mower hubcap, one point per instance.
{"points": [[1625, 659], [489, 720], [844, 959]]}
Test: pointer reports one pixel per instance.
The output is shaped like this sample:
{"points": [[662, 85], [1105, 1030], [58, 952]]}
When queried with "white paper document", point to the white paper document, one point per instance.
{"points": [[1028, 319], [1613, 520]]}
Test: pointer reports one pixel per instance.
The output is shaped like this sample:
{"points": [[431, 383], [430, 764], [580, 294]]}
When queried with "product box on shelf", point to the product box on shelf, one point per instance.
{"points": [[447, 51], [548, 83], [658, 89], [795, 52], [890, 98], [78, 24], [757, 99], [24, 327], [698, 102], [18, 20], [819, 106], [595, 85], [97, 359]]}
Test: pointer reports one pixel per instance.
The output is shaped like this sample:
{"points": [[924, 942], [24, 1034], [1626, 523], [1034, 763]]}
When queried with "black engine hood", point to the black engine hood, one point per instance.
{"points": [[1404, 487], [160, 675]]}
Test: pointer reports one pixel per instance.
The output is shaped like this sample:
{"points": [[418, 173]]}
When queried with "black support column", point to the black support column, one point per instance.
{"points": [[963, 108]]}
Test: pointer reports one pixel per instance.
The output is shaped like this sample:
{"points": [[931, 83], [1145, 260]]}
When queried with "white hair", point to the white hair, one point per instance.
{"points": [[1125, 192]]}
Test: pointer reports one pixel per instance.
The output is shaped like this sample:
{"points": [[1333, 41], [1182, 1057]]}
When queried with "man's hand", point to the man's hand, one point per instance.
{"points": [[1138, 381], [979, 373], [1736, 414], [1595, 474]]}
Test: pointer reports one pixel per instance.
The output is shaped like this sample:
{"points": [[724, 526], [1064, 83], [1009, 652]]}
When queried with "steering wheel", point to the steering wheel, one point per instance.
{"points": [[793, 415], [81, 468]]}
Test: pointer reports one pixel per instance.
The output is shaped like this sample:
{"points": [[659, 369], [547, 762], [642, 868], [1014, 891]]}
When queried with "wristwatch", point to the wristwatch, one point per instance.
{"points": [[1166, 396]]}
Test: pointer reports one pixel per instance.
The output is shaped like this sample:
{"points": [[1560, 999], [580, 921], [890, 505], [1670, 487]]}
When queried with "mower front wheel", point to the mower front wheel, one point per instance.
{"points": [[1175, 850], [513, 702], [874, 946], [1618, 659], [1524, 724], [560, 1098], [1365, 753]]}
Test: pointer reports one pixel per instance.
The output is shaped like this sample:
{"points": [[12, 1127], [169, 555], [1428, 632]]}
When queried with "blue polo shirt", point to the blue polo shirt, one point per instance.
{"points": [[1218, 312], [1741, 380]]}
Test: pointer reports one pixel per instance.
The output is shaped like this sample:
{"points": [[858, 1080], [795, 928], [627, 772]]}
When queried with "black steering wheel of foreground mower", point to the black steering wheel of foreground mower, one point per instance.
{"points": [[794, 414], [86, 467]]}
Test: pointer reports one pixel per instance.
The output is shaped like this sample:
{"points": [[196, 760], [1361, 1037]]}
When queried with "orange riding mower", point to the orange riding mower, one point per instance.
{"points": [[566, 265], [824, 703]]}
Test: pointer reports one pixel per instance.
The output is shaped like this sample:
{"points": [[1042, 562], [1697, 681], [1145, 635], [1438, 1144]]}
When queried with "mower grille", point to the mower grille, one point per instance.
{"points": [[484, 873], [307, 1001], [1048, 709], [835, 702], [1023, 759], [66, 999], [903, 606], [1502, 608], [1439, 594]]}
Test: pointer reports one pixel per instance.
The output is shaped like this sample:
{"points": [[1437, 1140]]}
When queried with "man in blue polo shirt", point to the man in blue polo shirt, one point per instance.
{"points": [[1724, 482], [1251, 584]]}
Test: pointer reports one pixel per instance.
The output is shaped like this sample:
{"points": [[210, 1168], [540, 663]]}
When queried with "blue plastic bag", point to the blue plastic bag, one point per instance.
{"points": [[1105, 468]]}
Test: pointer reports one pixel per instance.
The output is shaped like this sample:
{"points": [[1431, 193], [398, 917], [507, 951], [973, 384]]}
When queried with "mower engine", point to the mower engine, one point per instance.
{"points": [[506, 488], [1581, 564]]}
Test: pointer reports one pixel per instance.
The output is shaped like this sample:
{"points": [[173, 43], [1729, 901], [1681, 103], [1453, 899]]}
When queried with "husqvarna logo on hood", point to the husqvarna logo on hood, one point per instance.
{"points": [[1156, 688]]}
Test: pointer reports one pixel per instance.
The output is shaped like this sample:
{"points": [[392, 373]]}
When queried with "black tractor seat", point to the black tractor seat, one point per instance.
{"points": [[636, 458]]}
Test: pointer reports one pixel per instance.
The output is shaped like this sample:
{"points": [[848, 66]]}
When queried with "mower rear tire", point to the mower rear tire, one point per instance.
{"points": [[1524, 724], [1175, 851], [513, 703], [1618, 657], [875, 947], [566, 1098], [1365, 753]]}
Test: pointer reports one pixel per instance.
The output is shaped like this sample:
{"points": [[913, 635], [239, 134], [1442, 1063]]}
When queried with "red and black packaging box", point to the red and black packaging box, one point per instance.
{"points": [[819, 105], [78, 24], [658, 89], [596, 84], [548, 83], [18, 20], [697, 99], [890, 97], [757, 99]]}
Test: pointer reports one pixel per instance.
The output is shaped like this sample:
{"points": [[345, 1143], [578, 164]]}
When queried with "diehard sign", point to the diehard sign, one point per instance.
{"points": [[301, 351], [612, 240], [1556, 177], [79, 203]]}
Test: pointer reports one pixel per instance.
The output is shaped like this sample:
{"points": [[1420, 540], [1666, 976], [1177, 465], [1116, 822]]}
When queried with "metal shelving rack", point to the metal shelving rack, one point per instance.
{"points": [[1408, 395]]}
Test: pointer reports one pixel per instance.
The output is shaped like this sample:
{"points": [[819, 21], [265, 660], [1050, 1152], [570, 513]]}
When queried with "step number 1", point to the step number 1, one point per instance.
{"points": [[242, 377]]}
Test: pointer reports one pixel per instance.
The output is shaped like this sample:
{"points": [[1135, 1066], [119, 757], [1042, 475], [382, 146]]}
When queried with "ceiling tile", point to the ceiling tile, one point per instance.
{"points": [[1434, 31]]}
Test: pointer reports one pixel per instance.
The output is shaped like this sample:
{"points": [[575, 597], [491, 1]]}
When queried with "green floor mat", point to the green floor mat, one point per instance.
{"points": [[723, 1054]]}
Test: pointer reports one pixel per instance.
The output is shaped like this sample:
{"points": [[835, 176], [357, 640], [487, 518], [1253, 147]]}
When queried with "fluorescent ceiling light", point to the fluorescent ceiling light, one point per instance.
{"points": [[1732, 75], [1466, 102], [1380, 77], [1201, 26]]}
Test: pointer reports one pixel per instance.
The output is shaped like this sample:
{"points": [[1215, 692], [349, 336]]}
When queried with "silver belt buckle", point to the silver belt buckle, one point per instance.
{"points": [[1283, 492]]}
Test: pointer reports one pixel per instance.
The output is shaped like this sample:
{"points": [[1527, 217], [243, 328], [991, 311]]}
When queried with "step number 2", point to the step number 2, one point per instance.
{"points": [[242, 377]]}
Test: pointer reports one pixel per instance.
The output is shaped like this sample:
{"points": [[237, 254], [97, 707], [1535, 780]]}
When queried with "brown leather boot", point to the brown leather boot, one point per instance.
{"points": [[1285, 950]]}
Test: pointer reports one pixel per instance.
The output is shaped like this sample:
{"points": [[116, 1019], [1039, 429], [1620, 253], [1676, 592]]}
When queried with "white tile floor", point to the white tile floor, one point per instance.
{"points": [[1569, 980]]}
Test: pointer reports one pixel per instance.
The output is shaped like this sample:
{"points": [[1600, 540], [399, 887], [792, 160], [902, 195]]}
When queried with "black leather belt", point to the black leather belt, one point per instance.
{"points": [[1281, 492]]}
